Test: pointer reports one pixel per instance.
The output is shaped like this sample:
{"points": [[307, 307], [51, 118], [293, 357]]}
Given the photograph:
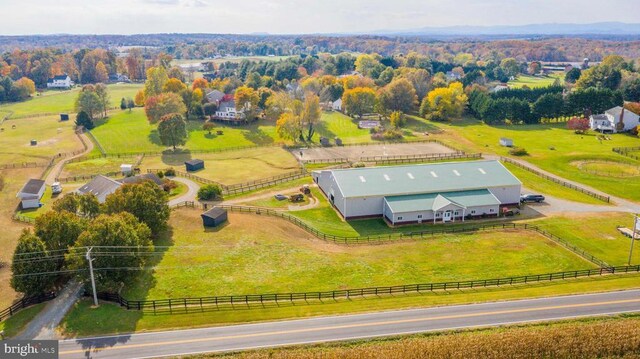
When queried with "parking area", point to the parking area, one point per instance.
{"points": [[354, 153]]}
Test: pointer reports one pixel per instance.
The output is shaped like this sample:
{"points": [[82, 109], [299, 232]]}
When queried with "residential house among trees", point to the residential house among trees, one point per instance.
{"points": [[617, 119], [215, 97], [100, 186], [227, 112], [441, 192], [60, 82]]}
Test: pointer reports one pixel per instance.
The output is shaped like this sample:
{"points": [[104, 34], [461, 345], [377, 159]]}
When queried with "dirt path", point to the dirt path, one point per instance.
{"points": [[191, 194], [44, 325], [57, 168]]}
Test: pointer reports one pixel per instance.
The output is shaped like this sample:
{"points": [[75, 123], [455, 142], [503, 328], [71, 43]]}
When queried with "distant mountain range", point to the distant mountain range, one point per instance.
{"points": [[599, 28]]}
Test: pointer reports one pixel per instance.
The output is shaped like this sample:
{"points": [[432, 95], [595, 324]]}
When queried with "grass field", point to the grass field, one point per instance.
{"points": [[537, 184], [551, 147], [608, 168], [83, 320], [14, 180], [597, 234], [63, 101], [96, 165], [52, 135], [254, 254], [231, 167], [131, 132], [536, 81], [14, 324]]}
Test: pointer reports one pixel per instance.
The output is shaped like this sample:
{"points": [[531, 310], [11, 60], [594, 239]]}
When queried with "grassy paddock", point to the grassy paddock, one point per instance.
{"points": [[545, 186], [83, 320], [553, 147], [54, 101], [231, 167], [95, 165], [254, 254], [536, 81], [615, 337], [52, 135]]}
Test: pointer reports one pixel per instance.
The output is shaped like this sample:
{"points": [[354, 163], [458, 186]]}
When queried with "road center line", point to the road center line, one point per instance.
{"points": [[347, 326]]}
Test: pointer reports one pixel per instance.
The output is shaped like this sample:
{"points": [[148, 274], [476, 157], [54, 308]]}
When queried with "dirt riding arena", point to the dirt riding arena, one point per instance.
{"points": [[354, 153]]}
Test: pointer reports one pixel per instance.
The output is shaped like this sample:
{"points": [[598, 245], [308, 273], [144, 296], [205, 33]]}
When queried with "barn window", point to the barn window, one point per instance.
{"points": [[399, 218], [419, 216], [473, 212], [491, 210]]}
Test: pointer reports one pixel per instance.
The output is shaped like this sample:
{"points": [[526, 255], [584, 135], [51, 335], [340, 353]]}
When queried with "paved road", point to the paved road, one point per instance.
{"points": [[323, 329], [44, 325], [192, 191]]}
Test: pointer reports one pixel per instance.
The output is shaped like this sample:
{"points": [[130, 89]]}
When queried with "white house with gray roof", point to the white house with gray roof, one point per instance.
{"points": [[617, 119], [439, 192]]}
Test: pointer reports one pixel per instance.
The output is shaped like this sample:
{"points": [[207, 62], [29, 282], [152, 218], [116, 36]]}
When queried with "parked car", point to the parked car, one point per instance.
{"points": [[280, 197], [531, 198], [56, 188]]}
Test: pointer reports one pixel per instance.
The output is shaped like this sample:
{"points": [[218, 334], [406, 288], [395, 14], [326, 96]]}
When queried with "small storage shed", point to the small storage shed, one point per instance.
{"points": [[126, 169], [214, 217], [34, 142], [64, 117], [338, 141], [506, 142], [194, 165], [31, 193], [325, 141]]}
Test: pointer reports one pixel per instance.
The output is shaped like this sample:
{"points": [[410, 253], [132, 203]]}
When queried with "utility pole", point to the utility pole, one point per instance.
{"points": [[93, 281], [636, 219]]}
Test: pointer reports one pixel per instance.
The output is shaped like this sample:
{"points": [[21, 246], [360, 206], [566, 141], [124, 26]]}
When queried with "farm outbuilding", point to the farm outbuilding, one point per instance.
{"points": [[64, 117], [126, 169], [194, 165], [506, 142], [441, 192], [214, 217], [31, 193]]}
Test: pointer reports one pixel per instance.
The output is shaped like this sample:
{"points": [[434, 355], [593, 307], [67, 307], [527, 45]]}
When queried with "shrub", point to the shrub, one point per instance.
{"points": [[209, 192], [168, 185], [170, 172], [518, 151], [83, 119], [358, 165], [387, 135], [160, 174]]}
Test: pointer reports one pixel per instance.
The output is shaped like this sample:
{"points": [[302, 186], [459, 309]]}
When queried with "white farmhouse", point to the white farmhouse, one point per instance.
{"points": [[617, 119], [337, 105], [441, 192], [227, 111], [60, 82]]}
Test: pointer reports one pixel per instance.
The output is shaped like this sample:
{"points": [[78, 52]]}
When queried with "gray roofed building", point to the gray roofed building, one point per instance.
{"points": [[101, 187], [413, 193], [32, 187], [215, 96], [140, 178]]}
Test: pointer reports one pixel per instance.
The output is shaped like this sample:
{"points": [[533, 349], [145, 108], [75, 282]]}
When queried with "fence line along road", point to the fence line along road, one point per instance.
{"points": [[428, 158], [555, 180], [199, 304], [25, 302], [398, 236]]}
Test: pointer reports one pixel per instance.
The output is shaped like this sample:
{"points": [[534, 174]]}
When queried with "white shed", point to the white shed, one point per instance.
{"points": [[506, 142], [31, 193], [126, 169]]}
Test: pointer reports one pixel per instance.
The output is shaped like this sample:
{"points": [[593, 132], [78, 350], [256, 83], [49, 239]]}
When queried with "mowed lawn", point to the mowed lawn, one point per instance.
{"points": [[595, 233], [99, 165], [556, 149], [131, 132], [255, 254], [52, 136], [230, 167], [54, 101], [536, 81]]}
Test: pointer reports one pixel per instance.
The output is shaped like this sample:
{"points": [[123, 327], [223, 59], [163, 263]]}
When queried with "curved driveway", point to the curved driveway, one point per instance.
{"points": [[192, 191]]}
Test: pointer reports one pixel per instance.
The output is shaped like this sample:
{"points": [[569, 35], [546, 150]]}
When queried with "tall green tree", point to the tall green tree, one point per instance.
{"points": [[399, 95], [156, 79], [157, 106], [172, 130], [30, 258], [146, 201], [115, 230], [89, 102]]}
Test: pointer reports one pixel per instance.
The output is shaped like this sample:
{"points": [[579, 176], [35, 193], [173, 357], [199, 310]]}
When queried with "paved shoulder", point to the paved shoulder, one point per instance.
{"points": [[325, 329]]}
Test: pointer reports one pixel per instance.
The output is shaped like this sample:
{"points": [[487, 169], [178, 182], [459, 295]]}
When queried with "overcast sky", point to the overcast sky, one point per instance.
{"points": [[294, 16]]}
